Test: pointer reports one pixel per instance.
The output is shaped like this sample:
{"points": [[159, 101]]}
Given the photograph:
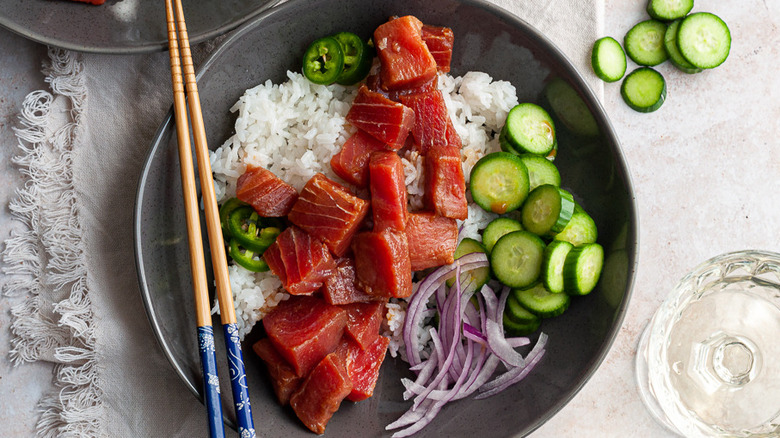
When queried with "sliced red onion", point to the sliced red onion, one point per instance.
{"points": [[466, 348], [424, 291], [514, 375]]}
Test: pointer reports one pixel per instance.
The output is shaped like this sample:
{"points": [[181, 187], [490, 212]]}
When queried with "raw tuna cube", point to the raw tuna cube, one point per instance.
{"points": [[321, 394], [406, 60], [304, 330], [382, 264], [439, 41], [340, 287], [432, 123], [374, 83], [363, 321], [351, 162], [301, 261], [380, 117], [432, 240], [283, 377], [328, 211], [388, 191], [267, 193], [363, 365], [445, 185]]}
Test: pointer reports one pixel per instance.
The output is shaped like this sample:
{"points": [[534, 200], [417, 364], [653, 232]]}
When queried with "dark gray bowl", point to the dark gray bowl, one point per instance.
{"points": [[121, 26], [487, 39]]}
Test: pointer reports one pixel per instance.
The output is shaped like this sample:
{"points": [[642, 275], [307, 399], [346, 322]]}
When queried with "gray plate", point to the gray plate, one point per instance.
{"points": [[487, 39], [121, 26]]}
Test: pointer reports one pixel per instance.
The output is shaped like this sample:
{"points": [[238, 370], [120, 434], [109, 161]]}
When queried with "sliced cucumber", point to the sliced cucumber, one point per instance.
{"points": [[644, 43], [704, 40], [644, 90], [547, 209], [541, 302], [514, 328], [582, 269], [529, 129], [669, 10], [670, 43], [552, 265], [608, 59], [541, 170], [581, 229], [516, 312], [499, 182], [570, 109], [479, 275], [497, 228], [516, 258]]}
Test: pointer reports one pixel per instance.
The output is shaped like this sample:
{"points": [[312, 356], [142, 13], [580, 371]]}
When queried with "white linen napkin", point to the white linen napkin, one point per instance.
{"points": [[82, 148]]}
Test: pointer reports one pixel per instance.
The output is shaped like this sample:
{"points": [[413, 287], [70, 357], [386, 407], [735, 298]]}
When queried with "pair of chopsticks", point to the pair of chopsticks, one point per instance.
{"points": [[177, 36]]}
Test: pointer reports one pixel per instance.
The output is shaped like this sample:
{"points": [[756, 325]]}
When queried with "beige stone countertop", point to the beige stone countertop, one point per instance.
{"points": [[706, 174]]}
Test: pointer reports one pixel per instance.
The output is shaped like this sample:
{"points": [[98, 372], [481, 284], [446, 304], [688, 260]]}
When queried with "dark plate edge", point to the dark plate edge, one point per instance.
{"points": [[148, 47]]}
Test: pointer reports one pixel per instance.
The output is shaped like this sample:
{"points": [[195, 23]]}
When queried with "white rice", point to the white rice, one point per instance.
{"points": [[293, 129]]}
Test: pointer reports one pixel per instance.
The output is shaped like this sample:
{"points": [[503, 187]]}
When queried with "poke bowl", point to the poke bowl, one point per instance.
{"points": [[488, 40]]}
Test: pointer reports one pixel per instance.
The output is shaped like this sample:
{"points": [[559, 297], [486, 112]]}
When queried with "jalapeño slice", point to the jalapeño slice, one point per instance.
{"points": [[323, 61], [246, 258], [247, 229], [357, 58]]}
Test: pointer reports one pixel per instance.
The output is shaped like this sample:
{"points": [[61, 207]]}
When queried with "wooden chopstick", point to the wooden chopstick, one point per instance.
{"points": [[177, 36], [197, 259]]}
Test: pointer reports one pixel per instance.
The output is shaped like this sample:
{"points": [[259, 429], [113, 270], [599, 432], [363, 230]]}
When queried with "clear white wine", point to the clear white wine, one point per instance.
{"points": [[708, 363]]}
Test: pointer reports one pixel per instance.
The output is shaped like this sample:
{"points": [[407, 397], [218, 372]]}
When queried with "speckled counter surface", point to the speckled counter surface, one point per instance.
{"points": [[706, 174]]}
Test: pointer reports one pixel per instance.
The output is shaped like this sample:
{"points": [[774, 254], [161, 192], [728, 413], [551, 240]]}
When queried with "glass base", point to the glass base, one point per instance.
{"points": [[643, 384]]}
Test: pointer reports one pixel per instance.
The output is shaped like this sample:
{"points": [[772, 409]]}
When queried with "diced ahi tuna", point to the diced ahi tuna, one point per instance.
{"points": [[432, 240], [328, 211], [374, 83], [267, 193], [300, 261], [363, 321], [283, 377], [382, 266], [321, 393], [305, 329], [388, 191], [351, 162], [439, 41], [445, 184], [363, 365], [387, 121], [406, 60], [340, 287], [432, 123]]}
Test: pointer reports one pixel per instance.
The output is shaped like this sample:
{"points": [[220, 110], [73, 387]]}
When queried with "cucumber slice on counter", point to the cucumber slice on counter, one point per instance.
{"points": [[669, 10], [608, 59], [644, 90], [644, 43], [704, 40], [670, 43]]}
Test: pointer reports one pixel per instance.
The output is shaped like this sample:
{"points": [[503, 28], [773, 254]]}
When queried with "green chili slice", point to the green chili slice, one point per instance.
{"points": [[323, 61], [224, 213], [246, 258], [247, 229], [357, 58]]}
